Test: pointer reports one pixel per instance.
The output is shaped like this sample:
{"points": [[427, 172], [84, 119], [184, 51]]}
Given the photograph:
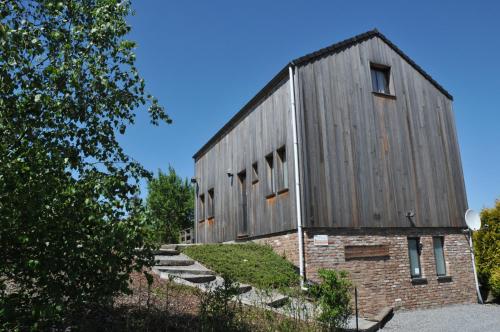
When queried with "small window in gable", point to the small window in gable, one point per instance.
{"points": [[381, 76]]}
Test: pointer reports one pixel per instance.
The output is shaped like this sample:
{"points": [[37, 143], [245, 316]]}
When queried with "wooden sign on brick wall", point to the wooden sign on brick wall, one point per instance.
{"points": [[366, 251]]}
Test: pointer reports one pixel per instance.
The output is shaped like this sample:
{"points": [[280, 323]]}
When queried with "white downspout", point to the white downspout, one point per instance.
{"points": [[471, 245], [195, 222], [300, 234]]}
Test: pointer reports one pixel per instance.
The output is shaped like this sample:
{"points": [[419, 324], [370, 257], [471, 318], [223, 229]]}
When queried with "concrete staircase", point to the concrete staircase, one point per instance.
{"points": [[170, 263]]}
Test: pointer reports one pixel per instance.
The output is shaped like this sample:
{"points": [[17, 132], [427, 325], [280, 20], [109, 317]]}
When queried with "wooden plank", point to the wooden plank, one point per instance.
{"points": [[366, 160], [264, 130], [367, 251], [369, 160]]}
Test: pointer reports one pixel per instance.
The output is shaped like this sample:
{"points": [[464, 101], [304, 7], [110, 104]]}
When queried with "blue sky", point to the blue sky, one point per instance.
{"points": [[205, 59]]}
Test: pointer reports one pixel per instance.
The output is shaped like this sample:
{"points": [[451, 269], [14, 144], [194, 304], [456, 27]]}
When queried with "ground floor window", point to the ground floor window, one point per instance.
{"points": [[438, 242], [414, 254]]}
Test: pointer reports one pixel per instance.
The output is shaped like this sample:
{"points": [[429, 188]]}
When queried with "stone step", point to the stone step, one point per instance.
{"points": [[173, 262], [178, 270], [381, 315], [277, 300], [169, 246], [219, 282], [363, 325], [243, 288], [258, 298], [198, 278], [166, 252]]}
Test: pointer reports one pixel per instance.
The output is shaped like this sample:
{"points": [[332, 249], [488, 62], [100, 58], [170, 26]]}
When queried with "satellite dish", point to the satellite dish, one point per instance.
{"points": [[472, 220]]}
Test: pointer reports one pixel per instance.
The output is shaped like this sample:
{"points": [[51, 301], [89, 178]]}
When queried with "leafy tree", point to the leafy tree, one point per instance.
{"points": [[70, 222], [170, 205], [487, 243]]}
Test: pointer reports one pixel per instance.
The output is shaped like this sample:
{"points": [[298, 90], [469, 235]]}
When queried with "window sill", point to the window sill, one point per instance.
{"points": [[444, 279], [268, 196], [385, 95], [255, 181], [201, 221], [282, 191], [419, 281]]}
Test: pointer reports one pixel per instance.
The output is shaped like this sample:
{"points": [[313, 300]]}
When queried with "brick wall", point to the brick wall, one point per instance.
{"points": [[285, 245], [385, 281]]}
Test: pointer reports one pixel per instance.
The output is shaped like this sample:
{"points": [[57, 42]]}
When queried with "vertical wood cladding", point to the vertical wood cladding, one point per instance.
{"points": [[366, 159], [369, 159], [265, 130]]}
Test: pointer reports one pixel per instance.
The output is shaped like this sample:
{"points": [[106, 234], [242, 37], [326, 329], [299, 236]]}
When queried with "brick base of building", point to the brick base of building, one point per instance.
{"points": [[385, 281]]}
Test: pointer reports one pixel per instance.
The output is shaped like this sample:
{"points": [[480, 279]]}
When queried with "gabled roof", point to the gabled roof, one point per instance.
{"points": [[283, 73]]}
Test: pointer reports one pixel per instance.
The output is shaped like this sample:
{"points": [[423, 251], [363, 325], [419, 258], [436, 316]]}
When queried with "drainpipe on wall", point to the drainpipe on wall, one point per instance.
{"points": [[194, 182], [195, 222], [300, 234]]}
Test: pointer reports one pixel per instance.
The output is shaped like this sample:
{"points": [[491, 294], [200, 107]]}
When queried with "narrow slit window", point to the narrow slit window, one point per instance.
{"points": [[201, 207], [271, 181], [210, 203], [380, 79], [255, 172], [414, 254], [282, 169], [438, 242]]}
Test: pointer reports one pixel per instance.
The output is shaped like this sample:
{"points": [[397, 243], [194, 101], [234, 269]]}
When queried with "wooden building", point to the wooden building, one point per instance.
{"points": [[348, 158]]}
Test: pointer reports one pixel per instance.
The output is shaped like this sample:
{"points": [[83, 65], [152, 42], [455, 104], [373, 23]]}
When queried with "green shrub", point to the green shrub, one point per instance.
{"points": [[494, 282], [217, 310], [333, 296], [248, 263], [487, 243]]}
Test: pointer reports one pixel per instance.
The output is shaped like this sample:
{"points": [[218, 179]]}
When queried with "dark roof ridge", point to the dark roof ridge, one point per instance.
{"points": [[334, 48]]}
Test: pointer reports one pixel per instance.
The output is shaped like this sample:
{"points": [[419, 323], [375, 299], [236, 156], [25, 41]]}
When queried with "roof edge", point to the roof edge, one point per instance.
{"points": [[280, 76], [361, 38], [337, 47]]}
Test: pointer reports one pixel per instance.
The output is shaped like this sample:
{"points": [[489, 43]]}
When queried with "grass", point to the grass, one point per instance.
{"points": [[248, 263]]}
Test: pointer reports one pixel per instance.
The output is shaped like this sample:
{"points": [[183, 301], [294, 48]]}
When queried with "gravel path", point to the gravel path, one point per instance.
{"points": [[468, 317]]}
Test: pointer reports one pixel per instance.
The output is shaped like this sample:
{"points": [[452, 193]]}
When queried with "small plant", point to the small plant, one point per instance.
{"points": [[300, 310], [218, 311], [495, 283], [333, 297]]}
